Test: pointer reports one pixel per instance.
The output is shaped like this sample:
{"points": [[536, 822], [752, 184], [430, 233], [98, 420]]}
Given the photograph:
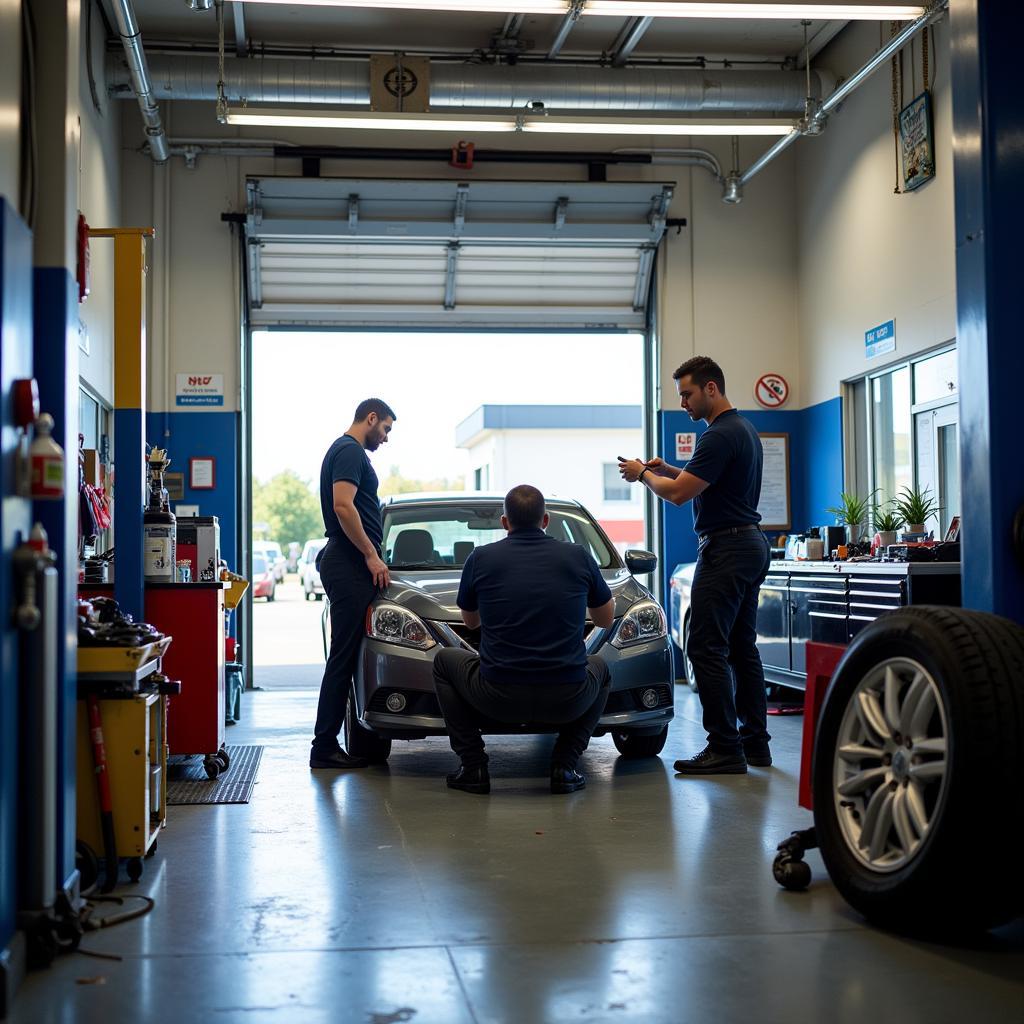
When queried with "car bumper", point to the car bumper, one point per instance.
{"points": [[385, 668]]}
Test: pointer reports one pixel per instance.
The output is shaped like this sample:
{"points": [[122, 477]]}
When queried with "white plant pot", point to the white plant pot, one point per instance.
{"points": [[886, 537]]}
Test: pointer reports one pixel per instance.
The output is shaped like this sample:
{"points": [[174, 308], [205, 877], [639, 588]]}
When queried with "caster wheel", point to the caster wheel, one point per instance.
{"points": [[151, 850], [225, 760], [793, 875], [88, 866], [212, 767], [134, 868]]}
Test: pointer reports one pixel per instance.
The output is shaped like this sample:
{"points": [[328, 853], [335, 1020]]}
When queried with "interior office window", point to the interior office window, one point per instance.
{"points": [[891, 435], [88, 419], [615, 488], [936, 378]]}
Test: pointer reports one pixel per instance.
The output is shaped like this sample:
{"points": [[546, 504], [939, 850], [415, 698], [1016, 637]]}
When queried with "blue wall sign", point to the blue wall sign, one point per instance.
{"points": [[880, 339]]}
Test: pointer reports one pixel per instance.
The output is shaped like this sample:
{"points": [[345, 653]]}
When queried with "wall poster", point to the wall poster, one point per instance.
{"points": [[916, 142], [774, 504]]}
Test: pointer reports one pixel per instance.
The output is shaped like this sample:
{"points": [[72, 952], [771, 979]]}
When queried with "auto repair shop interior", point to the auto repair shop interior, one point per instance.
{"points": [[823, 197]]}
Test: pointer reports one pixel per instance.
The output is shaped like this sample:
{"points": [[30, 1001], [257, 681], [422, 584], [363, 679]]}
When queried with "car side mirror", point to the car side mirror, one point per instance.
{"points": [[639, 563]]}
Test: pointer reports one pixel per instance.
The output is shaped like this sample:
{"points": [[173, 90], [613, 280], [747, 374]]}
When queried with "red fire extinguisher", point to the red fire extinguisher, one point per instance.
{"points": [[46, 462]]}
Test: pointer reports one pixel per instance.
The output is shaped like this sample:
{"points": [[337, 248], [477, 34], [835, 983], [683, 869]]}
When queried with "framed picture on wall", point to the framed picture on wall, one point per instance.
{"points": [[916, 146], [774, 504], [202, 473], [175, 484]]}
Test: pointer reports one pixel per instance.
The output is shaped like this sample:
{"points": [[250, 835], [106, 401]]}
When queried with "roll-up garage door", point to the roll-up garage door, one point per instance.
{"points": [[446, 254]]}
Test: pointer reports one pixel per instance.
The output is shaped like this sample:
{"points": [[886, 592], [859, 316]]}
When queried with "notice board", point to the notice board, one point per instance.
{"points": [[774, 504]]}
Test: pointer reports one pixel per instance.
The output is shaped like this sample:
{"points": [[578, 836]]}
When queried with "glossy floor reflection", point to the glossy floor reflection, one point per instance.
{"points": [[379, 896]]}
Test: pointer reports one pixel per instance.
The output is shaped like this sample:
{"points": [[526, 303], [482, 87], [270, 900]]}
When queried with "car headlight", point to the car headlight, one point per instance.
{"points": [[644, 621], [397, 625]]}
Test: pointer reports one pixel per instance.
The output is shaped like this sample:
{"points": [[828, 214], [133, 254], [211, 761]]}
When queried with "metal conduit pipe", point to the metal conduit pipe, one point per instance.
{"points": [[455, 86], [138, 78], [898, 41]]}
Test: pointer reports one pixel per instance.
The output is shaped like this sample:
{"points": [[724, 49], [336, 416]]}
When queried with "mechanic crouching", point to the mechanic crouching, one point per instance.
{"points": [[529, 595]]}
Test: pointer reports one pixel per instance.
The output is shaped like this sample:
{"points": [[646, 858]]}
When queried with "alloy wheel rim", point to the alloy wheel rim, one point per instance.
{"points": [[890, 764]]}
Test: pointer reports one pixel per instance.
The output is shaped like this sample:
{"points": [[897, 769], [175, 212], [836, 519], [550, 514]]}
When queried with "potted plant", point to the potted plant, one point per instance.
{"points": [[916, 507], [851, 512], [887, 521]]}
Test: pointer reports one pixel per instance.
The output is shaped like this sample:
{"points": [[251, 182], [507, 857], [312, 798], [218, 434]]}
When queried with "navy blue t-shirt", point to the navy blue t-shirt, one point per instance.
{"points": [[346, 460], [532, 593], [729, 458]]}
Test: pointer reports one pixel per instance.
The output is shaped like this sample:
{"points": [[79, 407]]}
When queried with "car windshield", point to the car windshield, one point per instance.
{"points": [[272, 551], [443, 535], [259, 564]]}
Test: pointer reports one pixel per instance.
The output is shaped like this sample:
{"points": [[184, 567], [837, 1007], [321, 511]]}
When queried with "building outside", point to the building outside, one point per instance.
{"points": [[567, 451]]}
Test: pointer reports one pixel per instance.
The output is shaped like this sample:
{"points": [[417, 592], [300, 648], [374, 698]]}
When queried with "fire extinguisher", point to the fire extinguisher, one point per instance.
{"points": [[46, 462]]}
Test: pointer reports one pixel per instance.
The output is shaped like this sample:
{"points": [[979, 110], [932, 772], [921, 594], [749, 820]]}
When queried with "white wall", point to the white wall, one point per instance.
{"points": [[866, 255], [10, 98]]}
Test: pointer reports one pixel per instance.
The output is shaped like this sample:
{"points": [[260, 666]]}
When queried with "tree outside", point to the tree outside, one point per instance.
{"points": [[286, 509], [395, 483]]}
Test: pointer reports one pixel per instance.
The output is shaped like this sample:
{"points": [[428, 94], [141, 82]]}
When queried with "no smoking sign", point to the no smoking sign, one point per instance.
{"points": [[771, 390]]}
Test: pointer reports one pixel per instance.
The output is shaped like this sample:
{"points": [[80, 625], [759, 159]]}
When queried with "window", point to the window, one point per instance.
{"points": [[482, 478], [615, 488], [890, 427]]}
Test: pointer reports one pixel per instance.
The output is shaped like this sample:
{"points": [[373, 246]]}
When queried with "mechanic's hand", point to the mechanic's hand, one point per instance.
{"points": [[659, 467], [379, 571], [631, 469]]}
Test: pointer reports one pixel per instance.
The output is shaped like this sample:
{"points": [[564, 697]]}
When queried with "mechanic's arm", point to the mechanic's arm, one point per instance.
{"points": [[348, 516], [603, 615], [471, 619], [678, 490]]}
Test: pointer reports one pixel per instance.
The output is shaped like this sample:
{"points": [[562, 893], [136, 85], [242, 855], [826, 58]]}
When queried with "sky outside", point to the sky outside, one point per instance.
{"points": [[306, 386]]}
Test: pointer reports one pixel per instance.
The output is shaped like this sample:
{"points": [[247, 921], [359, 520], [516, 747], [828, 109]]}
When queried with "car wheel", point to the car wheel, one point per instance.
{"points": [[631, 744], [360, 742], [305, 593], [318, 597], [915, 770], [270, 594], [691, 675]]}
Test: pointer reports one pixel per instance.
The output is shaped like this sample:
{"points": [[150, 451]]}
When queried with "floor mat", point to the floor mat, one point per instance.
{"points": [[187, 782]]}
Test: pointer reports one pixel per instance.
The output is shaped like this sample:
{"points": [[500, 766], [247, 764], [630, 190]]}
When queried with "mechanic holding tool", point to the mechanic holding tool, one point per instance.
{"points": [[350, 566], [723, 480]]}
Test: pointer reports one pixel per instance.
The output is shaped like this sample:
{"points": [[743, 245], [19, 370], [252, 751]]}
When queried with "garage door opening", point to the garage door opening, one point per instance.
{"points": [[475, 412]]}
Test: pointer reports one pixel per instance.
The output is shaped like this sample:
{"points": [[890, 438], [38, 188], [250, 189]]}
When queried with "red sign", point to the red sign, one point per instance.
{"points": [[771, 390]]}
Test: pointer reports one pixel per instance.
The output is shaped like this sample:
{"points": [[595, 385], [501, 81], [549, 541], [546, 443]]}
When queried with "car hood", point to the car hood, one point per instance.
{"points": [[431, 593]]}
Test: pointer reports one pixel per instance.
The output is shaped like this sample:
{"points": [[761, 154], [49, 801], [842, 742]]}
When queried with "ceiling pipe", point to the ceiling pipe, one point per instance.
{"points": [[138, 73], [634, 33], [569, 87], [816, 122], [568, 22]]}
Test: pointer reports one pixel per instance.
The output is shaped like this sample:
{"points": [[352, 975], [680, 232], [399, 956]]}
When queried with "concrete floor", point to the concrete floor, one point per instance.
{"points": [[379, 896]]}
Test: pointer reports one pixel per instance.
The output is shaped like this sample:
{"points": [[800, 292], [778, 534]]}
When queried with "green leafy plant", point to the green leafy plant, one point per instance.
{"points": [[916, 507], [852, 510], [887, 518]]}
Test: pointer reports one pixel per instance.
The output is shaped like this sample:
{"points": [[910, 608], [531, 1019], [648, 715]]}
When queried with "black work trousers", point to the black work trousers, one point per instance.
{"points": [[350, 588], [723, 641], [466, 698]]}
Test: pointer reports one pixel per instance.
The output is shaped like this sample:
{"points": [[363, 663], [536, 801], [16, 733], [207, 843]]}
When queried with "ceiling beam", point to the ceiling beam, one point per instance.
{"points": [[568, 21], [241, 39], [631, 34]]}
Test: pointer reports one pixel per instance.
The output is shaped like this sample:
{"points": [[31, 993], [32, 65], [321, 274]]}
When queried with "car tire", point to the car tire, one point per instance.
{"points": [[270, 595], [637, 745], [306, 594], [948, 684], [318, 597], [360, 742], [691, 674]]}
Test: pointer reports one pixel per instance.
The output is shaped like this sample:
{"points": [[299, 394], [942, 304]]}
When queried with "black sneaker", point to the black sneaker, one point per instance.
{"points": [[707, 762], [336, 759], [760, 758], [470, 780], [566, 780]]}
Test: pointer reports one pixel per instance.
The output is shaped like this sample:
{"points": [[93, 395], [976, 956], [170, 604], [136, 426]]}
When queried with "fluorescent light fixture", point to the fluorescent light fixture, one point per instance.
{"points": [[646, 8], [485, 123]]}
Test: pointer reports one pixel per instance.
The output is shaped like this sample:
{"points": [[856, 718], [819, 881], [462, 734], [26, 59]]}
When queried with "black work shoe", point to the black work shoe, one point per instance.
{"points": [[707, 762], [336, 759], [760, 758], [470, 780], [566, 780]]}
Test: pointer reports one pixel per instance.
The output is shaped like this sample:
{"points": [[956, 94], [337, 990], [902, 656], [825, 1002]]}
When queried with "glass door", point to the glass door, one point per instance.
{"points": [[938, 461]]}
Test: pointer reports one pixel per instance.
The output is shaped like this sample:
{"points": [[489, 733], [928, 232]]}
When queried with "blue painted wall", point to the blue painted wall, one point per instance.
{"points": [[188, 435], [15, 520], [55, 309], [815, 470]]}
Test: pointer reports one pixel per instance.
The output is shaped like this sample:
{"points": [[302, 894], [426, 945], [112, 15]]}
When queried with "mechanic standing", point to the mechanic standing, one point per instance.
{"points": [[723, 480], [350, 566]]}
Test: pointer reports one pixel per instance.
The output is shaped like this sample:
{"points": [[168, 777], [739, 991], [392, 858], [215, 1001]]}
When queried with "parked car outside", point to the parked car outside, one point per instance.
{"points": [[263, 582], [680, 586], [311, 584], [271, 550], [427, 539]]}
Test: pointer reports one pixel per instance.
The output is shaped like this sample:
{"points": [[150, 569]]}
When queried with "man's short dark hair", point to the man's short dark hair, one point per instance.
{"points": [[524, 507], [701, 369], [377, 405]]}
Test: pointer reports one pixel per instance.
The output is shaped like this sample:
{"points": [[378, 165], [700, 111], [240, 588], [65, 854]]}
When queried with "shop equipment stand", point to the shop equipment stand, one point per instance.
{"points": [[122, 747]]}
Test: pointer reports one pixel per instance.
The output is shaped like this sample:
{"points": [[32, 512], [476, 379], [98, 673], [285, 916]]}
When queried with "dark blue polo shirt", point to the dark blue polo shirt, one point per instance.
{"points": [[532, 593], [729, 457], [346, 460]]}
